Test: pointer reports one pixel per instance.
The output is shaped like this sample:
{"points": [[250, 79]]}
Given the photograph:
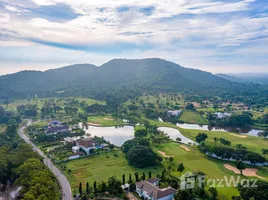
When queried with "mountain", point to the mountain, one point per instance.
{"points": [[232, 78], [121, 79], [260, 78]]}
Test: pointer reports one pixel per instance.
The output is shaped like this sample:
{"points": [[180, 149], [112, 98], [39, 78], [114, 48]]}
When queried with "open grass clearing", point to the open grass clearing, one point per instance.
{"points": [[105, 120], [192, 118], [101, 167], [252, 143]]}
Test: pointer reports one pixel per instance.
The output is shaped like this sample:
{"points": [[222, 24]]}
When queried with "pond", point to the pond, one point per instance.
{"points": [[115, 135], [119, 135], [246, 131], [175, 133]]}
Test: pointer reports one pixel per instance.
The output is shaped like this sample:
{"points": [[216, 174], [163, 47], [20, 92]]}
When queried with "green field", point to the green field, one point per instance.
{"points": [[40, 101], [192, 118], [160, 99], [252, 143], [105, 120], [100, 168]]}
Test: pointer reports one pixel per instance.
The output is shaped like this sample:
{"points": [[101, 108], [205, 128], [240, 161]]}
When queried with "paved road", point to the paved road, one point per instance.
{"points": [[64, 183]]}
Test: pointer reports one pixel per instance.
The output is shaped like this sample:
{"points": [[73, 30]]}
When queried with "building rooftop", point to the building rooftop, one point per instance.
{"points": [[153, 180], [86, 142], [154, 191], [57, 129]]}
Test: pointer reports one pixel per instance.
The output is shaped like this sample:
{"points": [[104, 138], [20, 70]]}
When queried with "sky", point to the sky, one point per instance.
{"points": [[219, 36]]}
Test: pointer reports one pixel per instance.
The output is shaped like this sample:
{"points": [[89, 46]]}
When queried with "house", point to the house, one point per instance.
{"points": [[75, 149], [174, 113], [86, 144], [58, 129], [220, 115], [148, 189]]}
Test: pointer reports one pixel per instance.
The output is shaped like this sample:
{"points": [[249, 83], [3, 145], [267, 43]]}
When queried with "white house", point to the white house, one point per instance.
{"points": [[174, 112], [220, 115], [149, 190], [75, 149], [86, 144]]}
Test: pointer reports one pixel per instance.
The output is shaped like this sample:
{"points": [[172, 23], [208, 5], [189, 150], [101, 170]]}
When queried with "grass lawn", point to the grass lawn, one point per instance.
{"points": [[255, 114], [252, 143], [100, 168], [105, 120], [192, 117], [194, 161]]}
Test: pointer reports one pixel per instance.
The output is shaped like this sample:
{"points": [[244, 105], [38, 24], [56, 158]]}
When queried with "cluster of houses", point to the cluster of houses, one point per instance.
{"points": [[56, 127], [148, 189], [82, 145]]}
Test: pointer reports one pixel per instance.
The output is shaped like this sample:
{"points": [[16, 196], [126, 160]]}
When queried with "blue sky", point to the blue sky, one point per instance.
{"points": [[211, 35]]}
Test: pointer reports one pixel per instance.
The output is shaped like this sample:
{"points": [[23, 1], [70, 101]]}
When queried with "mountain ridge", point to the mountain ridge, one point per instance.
{"points": [[119, 78]]}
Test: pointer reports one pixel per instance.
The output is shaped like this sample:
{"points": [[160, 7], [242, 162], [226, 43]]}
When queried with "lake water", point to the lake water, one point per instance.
{"points": [[175, 133], [246, 131], [119, 135], [115, 135]]}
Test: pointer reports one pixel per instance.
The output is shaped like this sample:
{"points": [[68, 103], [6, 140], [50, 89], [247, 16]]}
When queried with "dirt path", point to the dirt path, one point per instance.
{"points": [[184, 148], [93, 124], [108, 119], [240, 136], [246, 172], [164, 154]]}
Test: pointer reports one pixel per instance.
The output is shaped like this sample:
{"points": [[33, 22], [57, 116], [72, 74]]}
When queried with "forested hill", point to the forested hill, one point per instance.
{"points": [[121, 79]]}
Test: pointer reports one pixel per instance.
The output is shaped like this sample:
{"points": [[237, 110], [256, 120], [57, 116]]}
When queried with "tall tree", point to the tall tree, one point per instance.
{"points": [[80, 188], [180, 168]]}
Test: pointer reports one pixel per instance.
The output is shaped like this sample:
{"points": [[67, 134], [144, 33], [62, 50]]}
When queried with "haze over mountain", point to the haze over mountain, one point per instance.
{"points": [[259, 78], [121, 79]]}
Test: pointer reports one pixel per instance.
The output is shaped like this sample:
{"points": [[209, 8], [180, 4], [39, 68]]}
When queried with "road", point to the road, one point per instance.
{"points": [[64, 183]]}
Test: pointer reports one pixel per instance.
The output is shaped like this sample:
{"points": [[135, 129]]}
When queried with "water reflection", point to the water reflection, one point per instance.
{"points": [[247, 131]]}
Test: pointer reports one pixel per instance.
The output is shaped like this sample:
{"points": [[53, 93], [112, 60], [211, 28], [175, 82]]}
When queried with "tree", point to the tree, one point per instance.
{"points": [[136, 176], [215, 140], [80, 188], [150, 174], [130, 178], [264, 152], [189, 106], [123, 179], [141, 133], [240, 166], [180, 168], [95, 187], [213, 192], [201, 137], [143, 176], [87, 188], [142, 156]]}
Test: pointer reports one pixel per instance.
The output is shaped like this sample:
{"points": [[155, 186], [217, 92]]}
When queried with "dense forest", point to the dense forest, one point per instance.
{"points": [[21, 166], [121, 79]]}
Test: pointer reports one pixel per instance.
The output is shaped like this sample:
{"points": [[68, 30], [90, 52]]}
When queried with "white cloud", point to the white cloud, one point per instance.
{"points": [[12, 8], [194, 41]]}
